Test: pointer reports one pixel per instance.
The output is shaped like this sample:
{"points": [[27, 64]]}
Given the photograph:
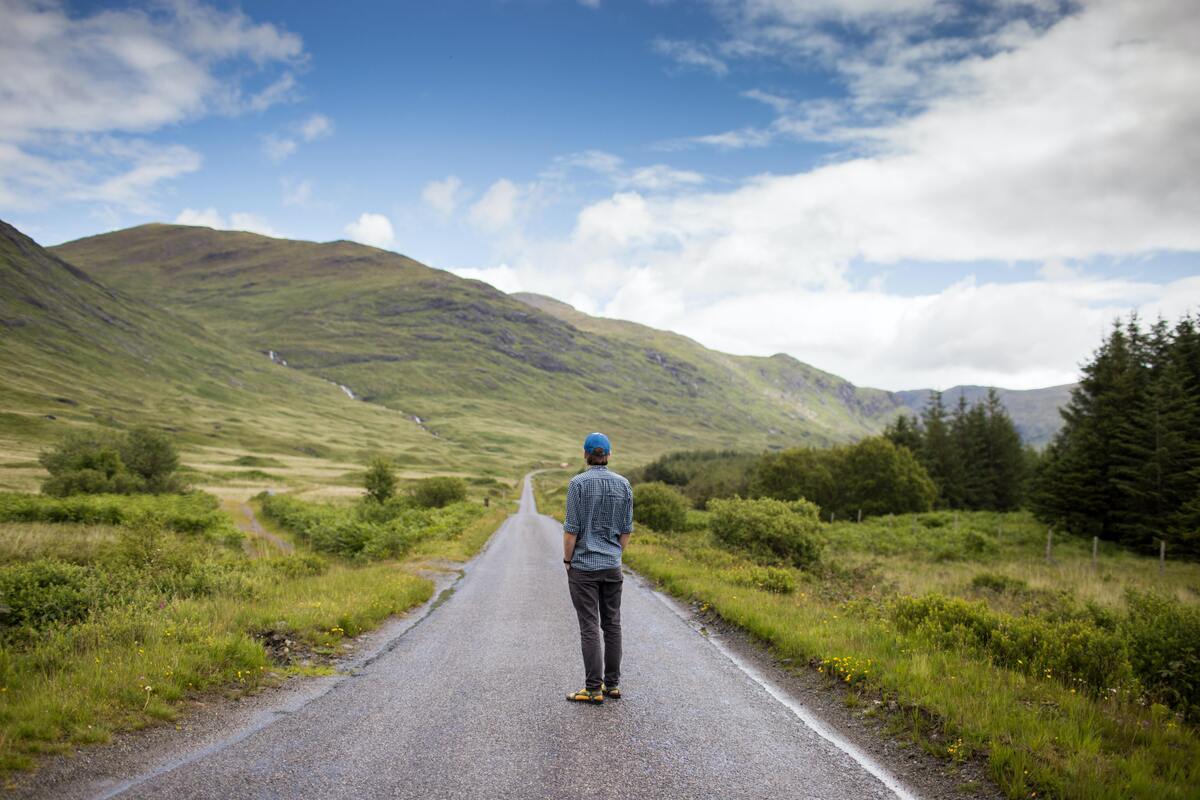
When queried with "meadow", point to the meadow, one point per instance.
{"points": [[1068, 678], [117, 610]]}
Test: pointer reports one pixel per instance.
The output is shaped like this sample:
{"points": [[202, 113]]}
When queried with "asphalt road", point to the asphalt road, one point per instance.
{"points": [[470, 704]]}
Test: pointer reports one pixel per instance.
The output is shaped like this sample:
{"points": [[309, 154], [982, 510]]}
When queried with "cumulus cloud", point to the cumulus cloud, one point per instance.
{"points": [[280, 146], [443, 196], [1053, 139], [372, 229], [497, 209], [318, 126], [689, 55], [74, 85], [238, 221]]}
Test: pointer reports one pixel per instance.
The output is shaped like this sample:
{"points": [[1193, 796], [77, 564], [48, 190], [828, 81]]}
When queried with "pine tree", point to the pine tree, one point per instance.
{"points": [[1006, 457], [905, 431], [1077, 484], [938, 453]]}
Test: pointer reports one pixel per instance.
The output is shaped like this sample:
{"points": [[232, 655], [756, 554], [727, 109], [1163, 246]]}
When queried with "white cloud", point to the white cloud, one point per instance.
{"points": [[318, 126], [372, 229], [1055, 141], [238, 221], [503, 277], [74, 85], [442, 196], [278, 148], [689, 55], [206, 217], [497, 209], [296, 193]]}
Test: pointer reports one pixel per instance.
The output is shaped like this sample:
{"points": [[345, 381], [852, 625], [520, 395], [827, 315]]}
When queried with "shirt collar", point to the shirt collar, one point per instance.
{"points": [[598, 466]]}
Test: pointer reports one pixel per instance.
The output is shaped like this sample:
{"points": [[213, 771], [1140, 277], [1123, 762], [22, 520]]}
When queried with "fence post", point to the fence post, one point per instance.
{"points": [[914, 523], [1049, 542], [1162, 555], [1095, 549], [860, 515], [830, 517]]}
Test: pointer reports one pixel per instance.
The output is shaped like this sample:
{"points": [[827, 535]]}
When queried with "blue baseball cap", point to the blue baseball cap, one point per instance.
{"points": [[597, 440]]}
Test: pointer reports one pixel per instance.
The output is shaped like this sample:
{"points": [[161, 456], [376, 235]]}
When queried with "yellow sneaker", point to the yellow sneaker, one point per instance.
{"points": [[586, 696], [611, 692]]}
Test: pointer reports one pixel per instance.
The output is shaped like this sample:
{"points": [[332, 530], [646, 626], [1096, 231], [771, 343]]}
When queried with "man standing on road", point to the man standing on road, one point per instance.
{"points": [[597, 527]]}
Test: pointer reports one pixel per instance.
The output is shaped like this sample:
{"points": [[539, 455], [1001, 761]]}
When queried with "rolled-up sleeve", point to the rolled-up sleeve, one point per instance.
{"points": [[571, 520], [628, 518]]}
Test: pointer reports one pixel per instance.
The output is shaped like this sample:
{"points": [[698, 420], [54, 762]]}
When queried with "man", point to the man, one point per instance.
{"points": [[596, 529]]}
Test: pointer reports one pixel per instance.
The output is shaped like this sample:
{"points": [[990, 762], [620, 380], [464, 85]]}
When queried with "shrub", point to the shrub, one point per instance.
{"points": [[1074, 651], [107, 462], [380, 480], [43, 592], [769, 579], [1000, 584], [768, 528], [194, 513], [658, 506], [1164, 647], [439, 492]]}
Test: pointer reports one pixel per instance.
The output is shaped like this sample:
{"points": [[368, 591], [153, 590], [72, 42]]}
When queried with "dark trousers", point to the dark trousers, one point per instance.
{"points": [[597, 599]]}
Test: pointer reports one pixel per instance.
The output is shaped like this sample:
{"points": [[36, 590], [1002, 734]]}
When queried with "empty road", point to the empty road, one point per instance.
{"points": [[470, 704]]}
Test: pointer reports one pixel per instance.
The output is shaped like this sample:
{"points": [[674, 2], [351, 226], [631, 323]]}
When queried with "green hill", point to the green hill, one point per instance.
{"points": [[76, 352], [499, 373], [190, 329]]}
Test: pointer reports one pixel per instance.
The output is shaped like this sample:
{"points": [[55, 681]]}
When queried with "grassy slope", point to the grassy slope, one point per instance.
{"points": [[826, 399], [82, 353], [481, 367]]}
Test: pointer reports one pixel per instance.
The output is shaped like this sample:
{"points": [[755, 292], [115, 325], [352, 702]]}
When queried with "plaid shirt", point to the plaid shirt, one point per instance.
{"points": [[599, 511]]}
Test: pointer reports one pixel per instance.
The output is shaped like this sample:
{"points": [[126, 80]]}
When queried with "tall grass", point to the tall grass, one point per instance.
{"points": [[1047, 671], [107, 626]]}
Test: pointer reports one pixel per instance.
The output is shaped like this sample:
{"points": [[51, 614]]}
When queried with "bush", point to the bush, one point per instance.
{"points": [[439, 492], [1074, 651], [1164, 647], [107, 462], [367, 530], [768, 528], [195, 513], [1000, 584], [380, 480], [769, 579], [658, 506], [44, 592]]}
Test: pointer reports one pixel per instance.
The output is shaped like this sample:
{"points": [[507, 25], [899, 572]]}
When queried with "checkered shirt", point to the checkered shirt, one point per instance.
{"points": [[599, 510]]}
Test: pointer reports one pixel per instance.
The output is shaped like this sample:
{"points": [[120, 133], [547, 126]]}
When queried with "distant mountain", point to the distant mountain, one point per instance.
{"points": [[74, 351], [494, 374], [1034, 411]]}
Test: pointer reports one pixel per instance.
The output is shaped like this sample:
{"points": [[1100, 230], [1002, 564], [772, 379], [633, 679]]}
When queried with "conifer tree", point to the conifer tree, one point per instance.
{"points": [[938, 453]]}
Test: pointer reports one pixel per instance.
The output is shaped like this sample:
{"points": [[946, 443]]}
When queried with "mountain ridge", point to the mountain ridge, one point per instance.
{"points": [[486, 370]]}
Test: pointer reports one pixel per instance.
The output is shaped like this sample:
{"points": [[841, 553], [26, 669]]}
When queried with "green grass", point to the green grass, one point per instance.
{"points": [[1040, 733], [1036, 735], [150, 617]]}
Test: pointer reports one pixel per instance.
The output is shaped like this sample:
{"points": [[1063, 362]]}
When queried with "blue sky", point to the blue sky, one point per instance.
{"points": [[907, 193]]}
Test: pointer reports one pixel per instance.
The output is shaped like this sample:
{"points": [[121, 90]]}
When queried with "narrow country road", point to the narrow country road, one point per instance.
{"points": [[470, 704]]}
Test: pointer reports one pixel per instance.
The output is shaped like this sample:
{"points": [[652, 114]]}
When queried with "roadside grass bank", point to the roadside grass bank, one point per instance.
{"points": [[115, 610], [1066, 679]]}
